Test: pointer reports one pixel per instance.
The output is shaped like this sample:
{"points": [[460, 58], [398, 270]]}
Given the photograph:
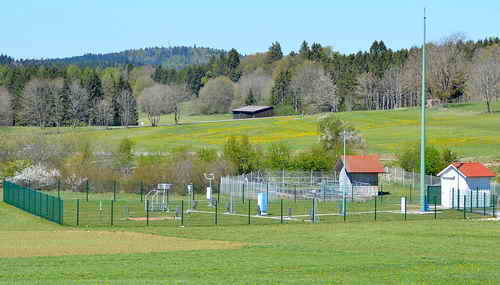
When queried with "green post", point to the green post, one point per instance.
{"points": [[147, 212], [471, 191], [375, 215], [112, 211], [77, 212], [87, 189], [352, 194], [465, 207], [243, 194], [114, 190], [458, 198], [313, 210], [494, 206], [422, 125], [295, 194], [182, 212], [61, 203], [345, 208], [59, 188], [267, 195], [484, 203], [216, 211], [453, 198], [142, 190], [281, 211], [477, 197], [249, 211], [435, 208], [218, 194], [406, 206]]}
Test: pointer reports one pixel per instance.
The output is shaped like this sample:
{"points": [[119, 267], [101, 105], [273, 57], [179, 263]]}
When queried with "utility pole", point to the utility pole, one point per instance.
{"points": [[422, 125]]}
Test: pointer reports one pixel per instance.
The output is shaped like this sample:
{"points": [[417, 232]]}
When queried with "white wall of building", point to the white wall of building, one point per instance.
{"points": [[451, 180]]}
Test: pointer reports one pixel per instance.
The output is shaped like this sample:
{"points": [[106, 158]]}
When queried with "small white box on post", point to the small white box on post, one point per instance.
{"points": [[403, 204]]}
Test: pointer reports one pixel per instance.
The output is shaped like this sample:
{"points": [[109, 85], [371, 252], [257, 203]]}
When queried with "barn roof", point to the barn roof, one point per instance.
{"points": [[252, 109], [471, 169], [364, 164]]}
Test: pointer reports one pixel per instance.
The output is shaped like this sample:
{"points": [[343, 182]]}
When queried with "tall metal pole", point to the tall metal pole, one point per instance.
{"points": [[347, 177], [422, 124]]}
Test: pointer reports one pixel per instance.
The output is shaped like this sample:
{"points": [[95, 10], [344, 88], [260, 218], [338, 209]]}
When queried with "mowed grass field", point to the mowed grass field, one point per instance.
{"points": [[34, 251], [464, 128]]}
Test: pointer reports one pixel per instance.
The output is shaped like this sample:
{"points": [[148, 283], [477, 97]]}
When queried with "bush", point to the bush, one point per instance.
{"points": [[244, 156], [279, 156], [435, 161], [315, 159]]}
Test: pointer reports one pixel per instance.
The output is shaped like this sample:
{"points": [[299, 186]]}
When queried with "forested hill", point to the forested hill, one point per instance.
{"points": [[171, 57]]}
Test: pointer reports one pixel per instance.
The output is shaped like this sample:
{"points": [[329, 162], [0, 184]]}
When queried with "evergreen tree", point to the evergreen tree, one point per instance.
{"points": [[275, 53], [316, 53], [119, 87], [304, 50], [280, 93]]}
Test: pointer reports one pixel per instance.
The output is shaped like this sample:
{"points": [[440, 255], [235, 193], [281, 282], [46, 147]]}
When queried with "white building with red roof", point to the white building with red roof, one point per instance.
{"points": [[471, 180]]}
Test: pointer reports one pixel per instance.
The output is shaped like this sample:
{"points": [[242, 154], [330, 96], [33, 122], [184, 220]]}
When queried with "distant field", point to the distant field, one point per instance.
{"points": [[464, 128]]}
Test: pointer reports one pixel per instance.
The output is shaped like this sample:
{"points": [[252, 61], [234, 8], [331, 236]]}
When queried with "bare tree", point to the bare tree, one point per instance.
{"points": [[257, 84], [104, 113], [484, 78], [446, 66], [38, 97], [78, 104], [162, 99], [313, 89], [127, 103], [5, 108], [216, 96]]}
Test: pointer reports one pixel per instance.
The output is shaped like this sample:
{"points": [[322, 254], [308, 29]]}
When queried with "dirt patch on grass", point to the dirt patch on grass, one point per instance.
{"points": [[58, 243], [151, 218]]}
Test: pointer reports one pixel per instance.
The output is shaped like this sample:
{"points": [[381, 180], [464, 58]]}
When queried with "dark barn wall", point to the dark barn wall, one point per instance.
{"points": [[365, 178]]}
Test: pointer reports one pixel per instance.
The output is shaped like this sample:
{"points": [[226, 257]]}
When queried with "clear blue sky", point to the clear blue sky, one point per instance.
{"points": [[57, 28]]}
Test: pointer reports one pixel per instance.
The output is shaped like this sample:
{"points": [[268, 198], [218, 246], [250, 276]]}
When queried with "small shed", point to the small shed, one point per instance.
{"points": [[253, 112], [361, 174], [465, 179]]}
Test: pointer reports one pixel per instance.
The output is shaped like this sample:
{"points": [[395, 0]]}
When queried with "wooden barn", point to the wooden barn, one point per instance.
{"points": [[253, 112], [361, 174]]}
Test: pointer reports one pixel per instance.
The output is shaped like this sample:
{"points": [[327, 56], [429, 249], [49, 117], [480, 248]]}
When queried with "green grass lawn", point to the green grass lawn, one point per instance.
{"points": [[382, 252]]}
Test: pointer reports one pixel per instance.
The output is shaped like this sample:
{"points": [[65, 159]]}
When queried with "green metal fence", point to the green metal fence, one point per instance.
{"points": [[34, 202]]}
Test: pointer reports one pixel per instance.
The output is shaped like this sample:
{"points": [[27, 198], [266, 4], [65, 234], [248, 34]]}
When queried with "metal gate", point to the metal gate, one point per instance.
{"points": [[434, 194]]}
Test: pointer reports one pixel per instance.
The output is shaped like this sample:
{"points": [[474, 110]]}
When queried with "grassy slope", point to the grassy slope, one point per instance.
{"points": [[464, 128], [424, 252]]}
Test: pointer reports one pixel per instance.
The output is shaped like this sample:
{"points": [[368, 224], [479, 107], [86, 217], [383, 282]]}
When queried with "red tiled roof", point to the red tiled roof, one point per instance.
{"points": [[364, 164], [473, 169]]}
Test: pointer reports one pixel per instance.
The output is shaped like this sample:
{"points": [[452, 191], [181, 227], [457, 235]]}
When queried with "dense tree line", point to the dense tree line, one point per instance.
{"points": [[174, 57], [313, 79]]}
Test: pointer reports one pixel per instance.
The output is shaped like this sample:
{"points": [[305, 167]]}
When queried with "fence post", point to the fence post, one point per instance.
{"points": [[471, 192], [313, 210], [281, 211], [484, 203], [435, 208], [458, 198], [59, 188], [465, 207], [494, 206], [218, 193], [249, 211], [87, 189], [453, 198], [142, 190], [77, 212], [243, 194], [406, 206], [114, 190], [112, 210], [295, 193], [267, 195], [375, 216], [477, 197], [61, 203], [216, 211], [182, 212], [147, 212], [345, 208]]}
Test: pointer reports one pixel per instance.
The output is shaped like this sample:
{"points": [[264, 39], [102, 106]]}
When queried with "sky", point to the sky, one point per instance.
{"points": [[57, 28]]}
